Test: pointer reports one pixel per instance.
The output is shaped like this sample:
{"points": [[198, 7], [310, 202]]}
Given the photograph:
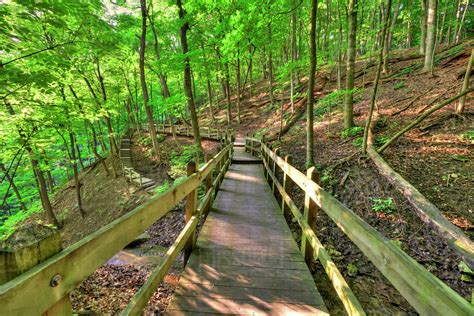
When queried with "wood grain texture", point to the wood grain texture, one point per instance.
{"points": [[246, 261]]}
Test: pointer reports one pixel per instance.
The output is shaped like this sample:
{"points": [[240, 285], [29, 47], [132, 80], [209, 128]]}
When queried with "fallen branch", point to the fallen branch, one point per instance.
{"points": [[412, 102], [421, 118], [426, 211]]}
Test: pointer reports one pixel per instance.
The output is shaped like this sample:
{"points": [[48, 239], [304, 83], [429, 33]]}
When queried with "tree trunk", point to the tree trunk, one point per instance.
{"points": [[187, 77], [424, 19], [13, 186], [149, 114], [238, 86], [76, 174], [94, 134], [209, 96], [293, 55], [422, 117], [339, 48], [165, 92], [430, 35], [43, 192], [112, 143], [351, 54], [467, 77], [227, 93], [312, 74], [388, 44], [377, 76], [461, 24], [270, 64]]}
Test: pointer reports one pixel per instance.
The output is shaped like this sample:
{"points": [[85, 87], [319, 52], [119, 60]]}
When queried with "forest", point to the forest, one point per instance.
{"points": [[374, 95]]}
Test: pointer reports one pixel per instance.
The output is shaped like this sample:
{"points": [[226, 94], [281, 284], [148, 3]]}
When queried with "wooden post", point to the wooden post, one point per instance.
{"points": [[275, 171], [208, 185], [44, 243], [190, 209], [309, 215], [287, 184]]}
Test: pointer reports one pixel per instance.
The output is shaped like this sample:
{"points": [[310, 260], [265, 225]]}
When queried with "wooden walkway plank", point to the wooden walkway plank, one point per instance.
{"points": [[246, 261]]}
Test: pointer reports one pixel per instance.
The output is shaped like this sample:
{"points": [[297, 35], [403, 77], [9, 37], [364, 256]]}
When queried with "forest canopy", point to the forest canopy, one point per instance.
{"points": [[76, 75]]}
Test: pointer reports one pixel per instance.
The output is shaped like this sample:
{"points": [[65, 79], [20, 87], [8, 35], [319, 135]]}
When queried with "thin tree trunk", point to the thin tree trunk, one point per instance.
{"points": [[209, 96], [187, 77], [424, 19], [377, 76], [293, 55], [351, 54], [77, 182], [94, 134], [42, 189], [461, 24], [165, 92], [13, 186], [227, 93], [149, 115], [270, 64], [339, 47], [422, 117], [238, 86], [312, 74], [388, 44], [465, 86], [430, 35]]}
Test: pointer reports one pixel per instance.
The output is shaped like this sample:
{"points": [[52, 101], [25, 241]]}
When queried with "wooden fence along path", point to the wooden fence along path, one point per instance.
{"points": [[245, 260]]}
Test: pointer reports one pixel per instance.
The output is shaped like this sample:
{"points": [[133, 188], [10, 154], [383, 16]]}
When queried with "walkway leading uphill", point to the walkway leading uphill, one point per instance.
{"points": [[245, 260]]}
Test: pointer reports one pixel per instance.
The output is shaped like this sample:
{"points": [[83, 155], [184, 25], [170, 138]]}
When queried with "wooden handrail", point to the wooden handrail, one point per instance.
{"points": [[424, 291], [207, 132], [75, 263]]}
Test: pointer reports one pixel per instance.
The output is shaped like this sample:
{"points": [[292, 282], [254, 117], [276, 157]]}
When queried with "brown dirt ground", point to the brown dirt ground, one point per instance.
{"points": [[425, 158]]}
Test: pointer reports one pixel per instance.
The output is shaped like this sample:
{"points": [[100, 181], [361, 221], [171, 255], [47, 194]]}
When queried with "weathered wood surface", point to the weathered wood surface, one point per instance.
{"points": [[246, 261], [242, 157], [424, 291]]}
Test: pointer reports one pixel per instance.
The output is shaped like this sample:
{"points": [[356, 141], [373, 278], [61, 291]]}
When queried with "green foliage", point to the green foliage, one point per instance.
{"points": [[358, 142], [380, 205], [179, 160], [457, 157], [399, 85], [353, 131], [405, 71], [468, 135]]}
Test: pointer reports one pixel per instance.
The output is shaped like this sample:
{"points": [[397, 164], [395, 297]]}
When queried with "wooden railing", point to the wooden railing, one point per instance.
{"points": [[205, 132], [47, 285], [424, 291]]}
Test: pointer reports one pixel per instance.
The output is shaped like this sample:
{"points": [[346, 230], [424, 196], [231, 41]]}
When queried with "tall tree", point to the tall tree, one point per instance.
{"points": [[312, 74], [430, 35], [351, 54], [149, 115], [377, 76], [187, 75]]}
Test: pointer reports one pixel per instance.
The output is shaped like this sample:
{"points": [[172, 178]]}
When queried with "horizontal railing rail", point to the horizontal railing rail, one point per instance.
{"points": [[40, 288], [424, 291], [205, 132]]}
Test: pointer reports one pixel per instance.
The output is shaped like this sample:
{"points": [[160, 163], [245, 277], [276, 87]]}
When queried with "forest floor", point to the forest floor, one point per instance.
{"points": [[438, 160], [106, 198]]}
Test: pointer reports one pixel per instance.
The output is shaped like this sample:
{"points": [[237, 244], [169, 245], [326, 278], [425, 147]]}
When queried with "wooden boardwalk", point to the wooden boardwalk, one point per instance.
{"points": [[246, 261]]}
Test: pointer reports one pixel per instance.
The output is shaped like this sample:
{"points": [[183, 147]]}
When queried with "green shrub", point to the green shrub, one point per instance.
{"points": [[469, 135], [382, 205], [358, 142], [179, 160], [351, 132], [399, 85]]}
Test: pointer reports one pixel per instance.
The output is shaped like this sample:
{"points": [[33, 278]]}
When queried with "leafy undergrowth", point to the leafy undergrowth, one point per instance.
{"points": [[437, 160]]}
